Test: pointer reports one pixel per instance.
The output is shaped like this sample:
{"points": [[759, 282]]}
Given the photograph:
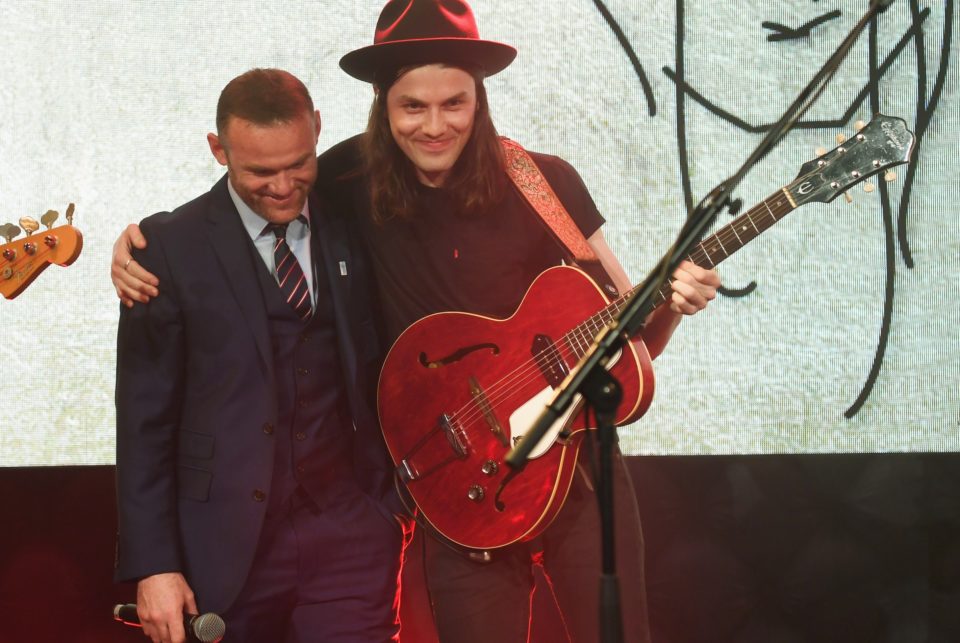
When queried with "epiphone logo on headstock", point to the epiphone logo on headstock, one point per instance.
{"points": [[805, 188], [895, 138]]}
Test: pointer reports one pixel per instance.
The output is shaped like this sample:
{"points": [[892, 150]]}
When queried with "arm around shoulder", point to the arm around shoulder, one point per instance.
{"points": [[132, 281]]}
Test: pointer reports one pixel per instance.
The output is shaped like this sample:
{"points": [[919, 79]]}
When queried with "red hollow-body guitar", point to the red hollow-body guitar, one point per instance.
{"points": [[458, 390]]}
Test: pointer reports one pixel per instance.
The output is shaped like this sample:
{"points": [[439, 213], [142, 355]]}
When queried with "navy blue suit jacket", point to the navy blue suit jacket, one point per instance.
{"points": [[195, 394]]}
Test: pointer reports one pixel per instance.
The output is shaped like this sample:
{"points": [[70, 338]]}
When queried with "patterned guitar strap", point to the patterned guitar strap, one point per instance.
{"points": [[544, 202]]}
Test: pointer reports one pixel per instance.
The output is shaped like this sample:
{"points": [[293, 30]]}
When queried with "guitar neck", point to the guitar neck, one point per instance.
{"points": [[730, 238], [707, 254]]}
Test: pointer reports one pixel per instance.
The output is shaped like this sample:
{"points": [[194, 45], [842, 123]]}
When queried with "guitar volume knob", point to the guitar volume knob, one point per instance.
{"points": [[490, 467], [475, 493]]}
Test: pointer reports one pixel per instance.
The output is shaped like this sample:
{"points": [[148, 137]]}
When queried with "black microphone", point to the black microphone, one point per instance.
{"points": [[200, 628]]}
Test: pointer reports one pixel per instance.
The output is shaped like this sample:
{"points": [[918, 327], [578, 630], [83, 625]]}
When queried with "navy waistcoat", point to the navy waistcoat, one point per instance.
{"points": [[313, 431]]}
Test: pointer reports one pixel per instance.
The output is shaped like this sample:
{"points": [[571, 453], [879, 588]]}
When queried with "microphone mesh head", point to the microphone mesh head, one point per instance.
{"points": [[209, 628]]}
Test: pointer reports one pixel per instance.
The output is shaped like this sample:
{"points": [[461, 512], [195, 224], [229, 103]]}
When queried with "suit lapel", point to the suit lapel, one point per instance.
{"points": [[331, 246], [230, 243]]}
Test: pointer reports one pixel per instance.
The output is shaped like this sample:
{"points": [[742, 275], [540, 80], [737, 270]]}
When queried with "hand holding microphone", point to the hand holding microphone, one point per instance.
{"points": [[199, 628], [169, 611]]}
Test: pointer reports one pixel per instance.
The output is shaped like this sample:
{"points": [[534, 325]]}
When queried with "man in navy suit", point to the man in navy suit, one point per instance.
{"points": [[251, 478]]}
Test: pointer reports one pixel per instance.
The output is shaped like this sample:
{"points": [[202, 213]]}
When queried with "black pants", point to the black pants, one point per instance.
{"points": [[326, 576], [484, 602]]}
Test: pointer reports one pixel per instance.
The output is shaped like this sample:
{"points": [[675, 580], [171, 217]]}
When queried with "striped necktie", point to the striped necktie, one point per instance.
{"points": [[293, 283]]}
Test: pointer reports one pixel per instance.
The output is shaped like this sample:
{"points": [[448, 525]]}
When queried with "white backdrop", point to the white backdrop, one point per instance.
{"points": [[106, 103]]}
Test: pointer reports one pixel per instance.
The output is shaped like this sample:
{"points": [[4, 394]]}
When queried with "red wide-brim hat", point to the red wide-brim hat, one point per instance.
{"points": [[420, 32]]}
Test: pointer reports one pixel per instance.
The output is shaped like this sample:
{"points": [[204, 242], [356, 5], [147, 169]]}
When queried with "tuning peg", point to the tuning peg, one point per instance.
{"points": [[70, 214], [29, 225], [8, 231], [890, 176], [868, 187], [846, 195], [859, 125], [49, 217], [840, 139]]}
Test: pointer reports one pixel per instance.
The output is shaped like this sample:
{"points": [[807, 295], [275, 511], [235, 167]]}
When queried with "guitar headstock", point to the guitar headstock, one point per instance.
{"points": [[22, 260], [885, 142]]}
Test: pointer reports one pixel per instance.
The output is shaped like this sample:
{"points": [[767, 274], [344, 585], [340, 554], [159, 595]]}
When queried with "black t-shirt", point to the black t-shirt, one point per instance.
{"points": [[441, 260]]}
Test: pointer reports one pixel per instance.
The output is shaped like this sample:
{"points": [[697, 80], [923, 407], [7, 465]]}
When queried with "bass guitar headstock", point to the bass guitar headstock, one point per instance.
{"points": [[22, 260]]}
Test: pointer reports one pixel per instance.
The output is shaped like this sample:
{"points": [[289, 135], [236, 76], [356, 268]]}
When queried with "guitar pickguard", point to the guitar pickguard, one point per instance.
{"points": [[522, 420]]}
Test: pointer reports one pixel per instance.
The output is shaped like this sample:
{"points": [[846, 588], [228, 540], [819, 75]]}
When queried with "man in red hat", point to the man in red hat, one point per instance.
{"points": [[447, 230]]}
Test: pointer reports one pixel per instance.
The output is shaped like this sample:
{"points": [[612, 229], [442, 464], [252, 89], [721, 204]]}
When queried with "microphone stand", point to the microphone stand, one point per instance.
{"points": [[593, 382]]}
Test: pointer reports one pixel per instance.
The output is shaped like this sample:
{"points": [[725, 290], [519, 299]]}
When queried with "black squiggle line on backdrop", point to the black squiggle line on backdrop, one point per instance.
{"points": [[822, 124], [877, 71], [924, 114], [631, 54], [783, 32], [682, 142], [889, 249]]}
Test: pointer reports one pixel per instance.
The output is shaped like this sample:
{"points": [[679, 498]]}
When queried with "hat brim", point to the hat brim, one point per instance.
{"points": [[365, 63]]}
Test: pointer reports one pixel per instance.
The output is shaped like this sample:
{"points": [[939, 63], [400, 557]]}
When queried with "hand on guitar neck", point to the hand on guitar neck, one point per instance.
{"points": [[693, 288]]}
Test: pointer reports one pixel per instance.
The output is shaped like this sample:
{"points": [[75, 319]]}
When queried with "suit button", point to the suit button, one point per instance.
{"points": [[259, 495], [268, 428], [301, 469], [301, 403], [301, 436], [304, 338], [302, 371]]}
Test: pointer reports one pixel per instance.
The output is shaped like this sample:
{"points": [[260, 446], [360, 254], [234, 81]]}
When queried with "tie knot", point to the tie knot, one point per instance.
{"points": [[279, 230]]}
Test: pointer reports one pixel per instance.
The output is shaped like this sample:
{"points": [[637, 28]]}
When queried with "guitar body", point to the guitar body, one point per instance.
{"points": [[457, 390]]}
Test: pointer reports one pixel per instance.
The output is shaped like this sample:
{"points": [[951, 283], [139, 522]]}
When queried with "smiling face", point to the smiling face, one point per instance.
{"points": [[272, 167], [431, 110]]}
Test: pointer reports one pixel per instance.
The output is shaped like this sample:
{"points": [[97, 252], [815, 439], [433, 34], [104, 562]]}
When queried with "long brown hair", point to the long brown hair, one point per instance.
{"points": [[477, 179]]}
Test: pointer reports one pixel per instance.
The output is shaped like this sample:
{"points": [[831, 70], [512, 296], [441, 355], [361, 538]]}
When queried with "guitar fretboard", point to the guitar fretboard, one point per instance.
{"points": [[707, 254]]}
